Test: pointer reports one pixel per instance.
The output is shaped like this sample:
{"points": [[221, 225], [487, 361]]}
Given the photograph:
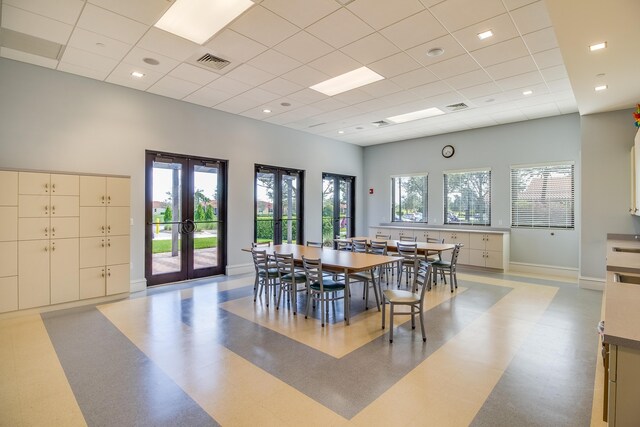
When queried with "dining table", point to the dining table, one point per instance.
{"points": [[335, 261], [424, 248]]}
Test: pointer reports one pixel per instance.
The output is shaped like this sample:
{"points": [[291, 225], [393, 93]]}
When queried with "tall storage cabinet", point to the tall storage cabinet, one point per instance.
{"points": [[41, 237]]}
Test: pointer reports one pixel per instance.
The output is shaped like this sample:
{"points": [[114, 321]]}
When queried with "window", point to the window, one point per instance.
{"points": [[409, 198], [467, 197], [542, 196]]}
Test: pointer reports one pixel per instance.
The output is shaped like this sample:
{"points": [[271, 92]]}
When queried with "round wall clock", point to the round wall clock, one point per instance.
{"points": [[447, 151]]}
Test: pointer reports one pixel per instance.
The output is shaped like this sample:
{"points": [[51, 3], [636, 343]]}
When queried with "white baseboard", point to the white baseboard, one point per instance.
{"points": [[549, 270], [593, 283], [138, 285], [63, 306], [234, 270]]}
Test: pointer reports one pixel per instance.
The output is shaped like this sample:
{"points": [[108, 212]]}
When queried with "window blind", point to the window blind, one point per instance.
{"points": [[467, 197], [543, 196]]}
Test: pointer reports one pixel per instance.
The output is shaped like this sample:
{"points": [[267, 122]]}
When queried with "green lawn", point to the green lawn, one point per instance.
{"points": [[161, 246]]}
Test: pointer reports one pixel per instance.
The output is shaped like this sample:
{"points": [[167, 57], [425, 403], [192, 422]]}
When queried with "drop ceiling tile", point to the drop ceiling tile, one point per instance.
{"points": [[121, 75], [548, 58], [173, 88], [17, 55], [395, 65], [66, 11], [501, 26], [381, 88], [145, 11], [167, 44], [328, 104], [137, 55], [481, 90], [539, 111], [371, 48], [512, 68], [414, 78], [515, 4], [83, 71], [450, 46], [226, 85], [382, 13], [274, 62], [109, 24], [457, 14], [401, 97], [554, 73], [521, 81], [509, 117], [517, 96], [417, 29], [193, 74], [559, 85], [465, 80], [207, 97], [303, 47], [305, 76], [340, 28], [281, 86], [35, 25], [564, 95], [302, 113], [263, 26], [234, 46], [237, 104], [261, 96], [567, 107], [250, 75], [432, 89], [454, 66], [98, 44], [301, 12], [532, 17], [494, 99], [501, 52], [353, 97], [307, 96], [335, 64], [89, 60], [540, 40]]}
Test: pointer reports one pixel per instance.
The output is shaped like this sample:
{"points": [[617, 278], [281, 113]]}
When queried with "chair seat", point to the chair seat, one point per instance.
{"points": [[272, 272], [299, 277], [328, 285], [400, 297], [438, 263]]}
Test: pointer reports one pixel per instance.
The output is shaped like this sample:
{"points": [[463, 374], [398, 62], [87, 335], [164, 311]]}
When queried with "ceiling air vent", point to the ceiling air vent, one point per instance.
{"points": [[211, 61], [380, 123], [456, 107], [318, 124]]}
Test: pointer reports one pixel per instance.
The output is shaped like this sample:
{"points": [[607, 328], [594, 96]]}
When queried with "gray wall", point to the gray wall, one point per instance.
{"points": [[537, 141], [606, 141], [56, 121]]}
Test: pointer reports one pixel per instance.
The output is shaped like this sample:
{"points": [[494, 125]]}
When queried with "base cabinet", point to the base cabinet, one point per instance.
{"points": [[624, 381]]}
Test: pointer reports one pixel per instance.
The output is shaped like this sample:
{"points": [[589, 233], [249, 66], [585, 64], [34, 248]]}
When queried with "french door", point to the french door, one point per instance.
{"points": [[338, 207], [185, 236], [278, 208]]}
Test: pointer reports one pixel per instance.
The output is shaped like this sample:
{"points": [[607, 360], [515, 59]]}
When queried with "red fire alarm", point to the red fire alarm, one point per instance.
{"points": [[371, 191]]}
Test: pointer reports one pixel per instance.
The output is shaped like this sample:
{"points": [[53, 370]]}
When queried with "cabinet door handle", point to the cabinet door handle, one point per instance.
{"points": [[53, 231], [46, 248], [108, 229], [108, 272], [53, 188], [109, 243], [102, 199], [102, 228], [102, 273], [53, 247], [102, 244], [109, 200], [46, 188], [53, 210], [46, 231], [46, 209]]}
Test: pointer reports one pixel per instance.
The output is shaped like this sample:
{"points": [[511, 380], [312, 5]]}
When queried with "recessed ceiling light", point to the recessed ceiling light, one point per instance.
{"points": [[601, 87], [285, 104], [340, 132], [598, 46], [347, 81], [416, 115], [600, 75], [99, 44], [137, 74], [485, 34], [150, 61], [527, 92], [199, 20], [266, 111], [436, 51], [489, 100]]}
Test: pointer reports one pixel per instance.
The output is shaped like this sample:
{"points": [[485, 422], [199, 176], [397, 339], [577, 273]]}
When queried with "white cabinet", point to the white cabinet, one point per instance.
{"points": [[423, 235], [457, 237], [33, 273], [487, 250], [104, 191], [8, 241], [64, 264]]}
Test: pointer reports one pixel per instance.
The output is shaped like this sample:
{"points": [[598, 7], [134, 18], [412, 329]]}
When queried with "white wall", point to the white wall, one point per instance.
{"points": [[606, 141], [537, 141], [56, 121]]}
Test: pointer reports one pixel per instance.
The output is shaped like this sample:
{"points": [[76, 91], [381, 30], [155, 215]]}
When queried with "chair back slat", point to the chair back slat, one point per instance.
{"points": [[313, 270], [380, 236], [408, 239], [423, 278], [378, 247], [260, 260], [359, 245], [454, 255], [284, 264]]}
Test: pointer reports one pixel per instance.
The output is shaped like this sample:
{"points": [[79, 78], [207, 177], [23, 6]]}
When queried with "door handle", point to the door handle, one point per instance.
{"points": [[187, 226]]}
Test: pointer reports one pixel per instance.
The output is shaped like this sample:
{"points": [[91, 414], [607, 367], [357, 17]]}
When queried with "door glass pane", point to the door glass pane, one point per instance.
{"points": [[289, 189], [205, 216], [344, 198], [265, 182], [167, 215], [328, 194]]}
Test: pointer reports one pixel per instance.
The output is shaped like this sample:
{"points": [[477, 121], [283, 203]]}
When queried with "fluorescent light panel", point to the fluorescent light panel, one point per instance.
{"points": [[347, 81], [599, 88], [527, 92], [597, 46], [416, 115], [485, 34], [199, 20], [137, 74]]}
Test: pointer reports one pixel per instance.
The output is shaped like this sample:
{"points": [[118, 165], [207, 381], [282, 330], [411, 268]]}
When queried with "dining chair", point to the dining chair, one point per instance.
{"points": [[408, 239], [289, 279], [442, 266], [322, 288], [266, 274], [414, 299], [379, 247], [367, 276], [380, 236], [359, 245], [314, 244], [343, 246], [409, 262]]}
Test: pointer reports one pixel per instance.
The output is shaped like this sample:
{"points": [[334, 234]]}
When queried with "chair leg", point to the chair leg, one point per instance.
{"points": [[413, 317], [306, 314], [424, 335], [451, 279], [390, 322], [384, 309], [279, 296], [322, 304]]}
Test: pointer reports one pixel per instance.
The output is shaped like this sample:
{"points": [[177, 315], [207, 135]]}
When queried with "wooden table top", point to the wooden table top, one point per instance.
{"points": [[393, 244]]}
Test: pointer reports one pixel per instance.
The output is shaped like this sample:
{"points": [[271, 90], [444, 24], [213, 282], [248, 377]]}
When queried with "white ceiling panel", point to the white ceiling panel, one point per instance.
{"points": [[540, 40], [448, 43], [465, 80], [457, 14], [301, 12], [382, 13], [548, 58], [137, 56], [167, 44], [305, 76], [560, 85], [193, 74], [35, 25], [521, 81], [89, 60], [264, 26], [417, 29], [17, 55], [274, 62], [250, 75], [340, 28], [335, 64], [500, 52], [539, 111], [226, 85], [121, 75], [381, 88], [145, 11], [353, 97], [234, 47], [532, 17], [261, 96], [328, 104], [303, 47], [306, 96], [454, 66], [432, 89], [510, 116], [512, 68], [501, 26], [414, 78], [370, 49], [112, 25], [173, 88], [207, 97], [281, 86], [515, 4], [395, 65], [82, 71], [554, 73], [481, 90], [236, 104], [98, 44], [66, 11]]}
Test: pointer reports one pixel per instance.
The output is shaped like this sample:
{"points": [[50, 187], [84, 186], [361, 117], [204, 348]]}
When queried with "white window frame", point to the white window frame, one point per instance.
{"points": [[445, 209], [425, 215]]}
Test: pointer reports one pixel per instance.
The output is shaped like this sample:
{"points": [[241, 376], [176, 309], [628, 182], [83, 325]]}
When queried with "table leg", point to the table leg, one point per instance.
{"points": [[375, 288], [347, 299]]}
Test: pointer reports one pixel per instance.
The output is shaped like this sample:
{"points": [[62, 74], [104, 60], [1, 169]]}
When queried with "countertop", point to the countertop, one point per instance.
{"points": [[622, 314], [454, 228]]}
